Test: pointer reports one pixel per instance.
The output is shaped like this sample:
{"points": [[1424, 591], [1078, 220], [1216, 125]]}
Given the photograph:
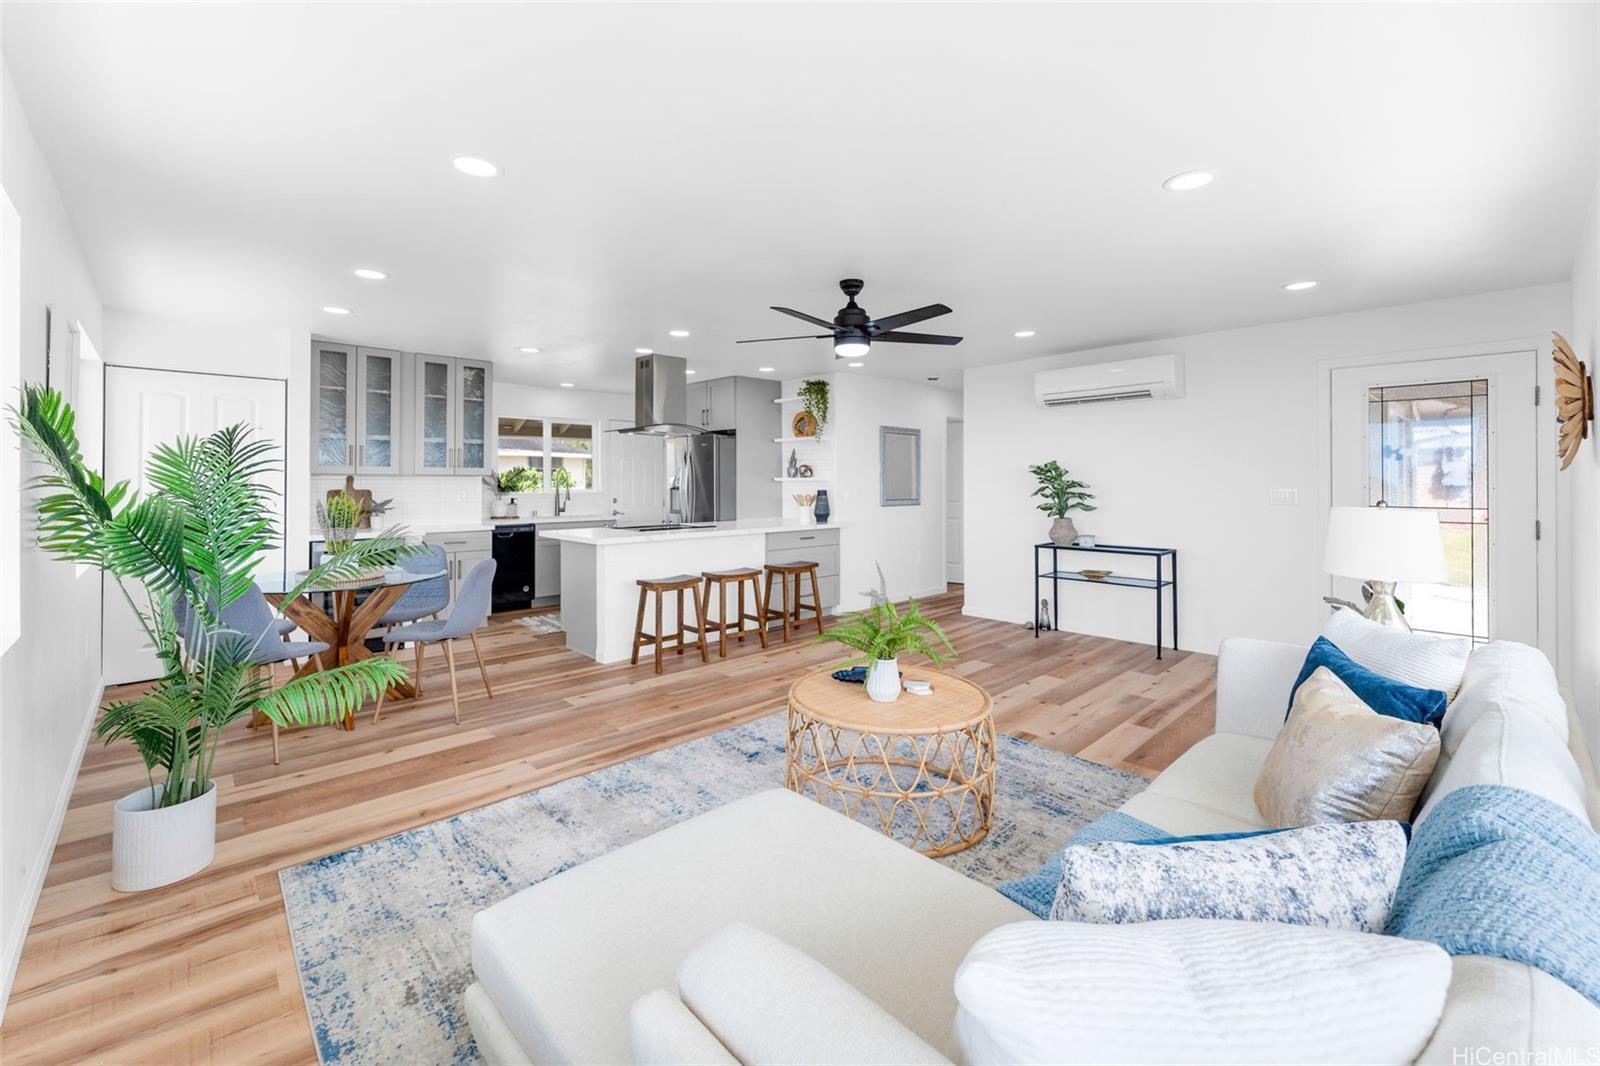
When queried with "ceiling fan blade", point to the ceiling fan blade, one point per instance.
{"points": [[805, 337], [880, 326], [917, 338], [802, 316]]}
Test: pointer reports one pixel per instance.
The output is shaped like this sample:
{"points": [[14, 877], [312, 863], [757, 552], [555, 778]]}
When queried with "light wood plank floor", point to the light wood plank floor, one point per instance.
{"points": [[203, 972]]}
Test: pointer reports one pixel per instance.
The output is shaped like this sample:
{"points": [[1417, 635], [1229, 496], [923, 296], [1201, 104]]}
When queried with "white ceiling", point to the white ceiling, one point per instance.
{"points": [[684, 166]]}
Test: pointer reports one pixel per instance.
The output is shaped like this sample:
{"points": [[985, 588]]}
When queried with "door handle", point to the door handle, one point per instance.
{"points": [[361, 455], [350, 455]]}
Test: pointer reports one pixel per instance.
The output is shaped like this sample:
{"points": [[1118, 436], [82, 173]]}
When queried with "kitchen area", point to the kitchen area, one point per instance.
{"points": [[608, 488]]}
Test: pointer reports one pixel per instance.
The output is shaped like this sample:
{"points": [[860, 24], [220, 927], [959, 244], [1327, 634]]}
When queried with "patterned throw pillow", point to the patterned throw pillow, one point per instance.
{"points": [[1338, 876]]}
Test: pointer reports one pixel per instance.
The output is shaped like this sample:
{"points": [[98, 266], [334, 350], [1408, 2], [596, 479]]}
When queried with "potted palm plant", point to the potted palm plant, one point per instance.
{"points": [[881, 634], [1062, 496], [190, 544]]}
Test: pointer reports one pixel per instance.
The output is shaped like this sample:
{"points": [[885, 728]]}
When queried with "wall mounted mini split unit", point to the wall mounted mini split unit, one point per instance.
{"points": [[1154, 377]]}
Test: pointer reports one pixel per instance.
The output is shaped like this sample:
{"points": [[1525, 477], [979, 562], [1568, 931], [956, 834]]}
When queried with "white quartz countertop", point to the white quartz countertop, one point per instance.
{"points": [[742, 528], [429, 529]]}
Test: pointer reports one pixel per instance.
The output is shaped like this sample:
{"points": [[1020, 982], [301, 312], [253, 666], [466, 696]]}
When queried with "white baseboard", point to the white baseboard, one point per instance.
{"points": [[41, 862]]}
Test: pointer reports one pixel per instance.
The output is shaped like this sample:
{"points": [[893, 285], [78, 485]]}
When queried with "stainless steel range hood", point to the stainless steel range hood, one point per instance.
{"points": [[661, 397]]}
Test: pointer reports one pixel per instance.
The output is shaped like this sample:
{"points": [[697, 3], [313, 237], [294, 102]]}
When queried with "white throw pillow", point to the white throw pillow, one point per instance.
{"points": [[1196, 991], [1419, 659], [1340, 875]]}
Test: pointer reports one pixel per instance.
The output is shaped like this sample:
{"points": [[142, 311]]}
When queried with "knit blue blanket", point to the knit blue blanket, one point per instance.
{"points": [[1504, 872]]}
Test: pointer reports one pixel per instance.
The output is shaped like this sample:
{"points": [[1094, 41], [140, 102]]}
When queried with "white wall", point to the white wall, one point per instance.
{"points": [[1194, 473], [908, 542], [50, 678], [1580, 484]]}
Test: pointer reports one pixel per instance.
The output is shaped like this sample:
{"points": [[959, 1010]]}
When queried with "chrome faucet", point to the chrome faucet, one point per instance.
{"points": [[561, 508]]}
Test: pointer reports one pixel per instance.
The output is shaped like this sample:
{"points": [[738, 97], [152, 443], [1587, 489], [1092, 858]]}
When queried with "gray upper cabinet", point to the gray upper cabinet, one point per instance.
{"points": [[475, 425], [453, 415], [380, 377], [722, 412], [699, 403], [333, 408]]}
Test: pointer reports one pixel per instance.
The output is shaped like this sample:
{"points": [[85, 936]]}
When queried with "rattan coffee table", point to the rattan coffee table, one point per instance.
{"points": [[920, 767]]}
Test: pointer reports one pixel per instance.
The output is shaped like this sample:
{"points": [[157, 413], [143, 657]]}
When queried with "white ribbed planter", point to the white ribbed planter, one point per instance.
{"points": [[883, 680], [152, 847]]}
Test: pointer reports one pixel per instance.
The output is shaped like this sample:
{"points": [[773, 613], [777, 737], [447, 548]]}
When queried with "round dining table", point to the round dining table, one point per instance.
{"points": [[345, 630]]}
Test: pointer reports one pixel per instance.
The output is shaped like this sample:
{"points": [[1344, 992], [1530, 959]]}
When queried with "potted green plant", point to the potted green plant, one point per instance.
{"points": [[814, 398], [881, 634], [193, 540], [1062, 496], [511, 482]]}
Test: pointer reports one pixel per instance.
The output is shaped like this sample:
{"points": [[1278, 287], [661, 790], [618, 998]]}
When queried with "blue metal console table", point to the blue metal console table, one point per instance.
{"points": [[1055, 575]]}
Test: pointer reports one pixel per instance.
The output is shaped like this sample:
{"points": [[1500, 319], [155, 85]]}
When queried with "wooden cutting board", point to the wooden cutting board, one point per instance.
{"points": [[361, 496]]}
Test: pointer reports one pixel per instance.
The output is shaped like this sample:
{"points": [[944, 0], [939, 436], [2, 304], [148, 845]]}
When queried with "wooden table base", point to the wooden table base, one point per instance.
{"points": [[345, 632]]}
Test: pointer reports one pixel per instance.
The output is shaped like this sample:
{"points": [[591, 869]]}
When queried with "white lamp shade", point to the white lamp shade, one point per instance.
{"points": [[1384, 544]]}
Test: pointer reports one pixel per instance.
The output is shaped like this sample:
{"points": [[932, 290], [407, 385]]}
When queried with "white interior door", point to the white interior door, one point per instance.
{"points": [[634, 473], [1460, 437], [147, 408], [955, 449]]}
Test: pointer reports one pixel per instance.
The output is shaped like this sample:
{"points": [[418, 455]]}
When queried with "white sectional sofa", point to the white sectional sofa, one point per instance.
{"points": [[560, 965]]}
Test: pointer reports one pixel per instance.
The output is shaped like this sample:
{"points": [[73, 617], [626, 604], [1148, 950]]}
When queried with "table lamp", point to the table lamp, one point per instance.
{"points": [[1382, 545]]}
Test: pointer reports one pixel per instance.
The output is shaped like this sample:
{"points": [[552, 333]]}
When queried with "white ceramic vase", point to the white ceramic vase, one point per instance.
{"points": [[883, 680], [151, 846], [499, 507]]}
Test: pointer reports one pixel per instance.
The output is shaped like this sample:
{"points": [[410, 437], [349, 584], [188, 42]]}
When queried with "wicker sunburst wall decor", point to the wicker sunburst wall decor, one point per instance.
{"points": [[1574, 400]]}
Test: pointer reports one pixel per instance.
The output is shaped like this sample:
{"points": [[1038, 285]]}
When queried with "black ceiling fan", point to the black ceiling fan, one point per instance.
{"points": [[853, 330]]}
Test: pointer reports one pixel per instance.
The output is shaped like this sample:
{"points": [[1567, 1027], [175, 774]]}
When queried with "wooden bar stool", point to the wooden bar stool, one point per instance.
{"points": [[721, 578], [793, 604], [661, 586]]}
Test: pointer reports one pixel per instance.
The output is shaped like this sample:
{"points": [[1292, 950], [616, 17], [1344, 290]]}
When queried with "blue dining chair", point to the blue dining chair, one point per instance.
{"points": [[470, 614], [250, 621], [425, 598]]}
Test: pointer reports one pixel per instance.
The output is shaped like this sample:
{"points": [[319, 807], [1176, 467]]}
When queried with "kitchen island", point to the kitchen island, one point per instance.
{"points": [[601, 568]]}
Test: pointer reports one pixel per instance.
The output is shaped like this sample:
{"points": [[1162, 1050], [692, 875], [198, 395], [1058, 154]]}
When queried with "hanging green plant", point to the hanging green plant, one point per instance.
{"points": [[814, 395]]}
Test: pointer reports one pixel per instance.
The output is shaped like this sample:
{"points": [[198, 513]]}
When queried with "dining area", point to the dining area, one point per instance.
{"points": [[310, 628]]}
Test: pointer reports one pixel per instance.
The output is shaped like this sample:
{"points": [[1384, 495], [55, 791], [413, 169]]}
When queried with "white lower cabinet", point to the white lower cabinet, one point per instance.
{"points": [[463, 551], [820, 546]]}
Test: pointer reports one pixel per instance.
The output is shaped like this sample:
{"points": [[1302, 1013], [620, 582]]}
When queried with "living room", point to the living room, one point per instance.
{"points": [[580, 454]]}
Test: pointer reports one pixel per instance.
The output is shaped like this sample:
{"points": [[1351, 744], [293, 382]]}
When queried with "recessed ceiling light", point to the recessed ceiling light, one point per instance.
{"points": [[858, 364], [369, 274], [1188, 181], [529, 351], [337, 310], [1023, 333], [688, 371], [764, 369], [566, 385], [1300, 286], [677, 333], [477, 168], [644, 351]]}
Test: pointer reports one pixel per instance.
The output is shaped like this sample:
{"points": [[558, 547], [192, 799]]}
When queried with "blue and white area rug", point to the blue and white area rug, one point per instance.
{"points": [[382, 931]]}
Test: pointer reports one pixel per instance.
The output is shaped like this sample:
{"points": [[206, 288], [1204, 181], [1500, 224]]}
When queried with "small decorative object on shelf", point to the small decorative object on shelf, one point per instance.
{"points": [[1574, 401], [804, 424], [822, 510], [1096, 575], [794, 464], [814, 394], [1083, 541], [1062, 496], [805, 471]]}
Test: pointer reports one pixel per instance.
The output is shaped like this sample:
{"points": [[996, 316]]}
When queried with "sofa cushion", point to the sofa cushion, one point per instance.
{"points": [[1507, 1012], [1207, 789], [563, 960], [1419, 659], [1504, 749], [1281, 876], [744, 986], [1337, 760], [1379, 691], [1510, 678], [664, 1032], [1196, 991]]}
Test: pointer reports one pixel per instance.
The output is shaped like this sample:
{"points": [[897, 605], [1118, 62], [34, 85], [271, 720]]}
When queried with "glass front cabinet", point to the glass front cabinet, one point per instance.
{"points": [[453, 415], [377, 411]]}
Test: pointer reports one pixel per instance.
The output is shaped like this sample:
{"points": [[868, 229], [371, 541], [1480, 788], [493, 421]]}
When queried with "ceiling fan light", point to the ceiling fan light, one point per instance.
{"points": [[852, 347]]}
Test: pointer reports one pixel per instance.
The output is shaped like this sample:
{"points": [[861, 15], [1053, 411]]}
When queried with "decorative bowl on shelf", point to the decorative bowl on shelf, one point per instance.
{"points": [[1096, 575]]}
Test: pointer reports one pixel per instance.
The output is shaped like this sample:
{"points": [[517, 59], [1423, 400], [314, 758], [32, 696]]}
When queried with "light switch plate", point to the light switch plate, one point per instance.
{"points": [[1284, 496]]}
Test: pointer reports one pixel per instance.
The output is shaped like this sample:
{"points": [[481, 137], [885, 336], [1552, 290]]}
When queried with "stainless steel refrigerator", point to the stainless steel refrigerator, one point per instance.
{"points": [[702, 481]]}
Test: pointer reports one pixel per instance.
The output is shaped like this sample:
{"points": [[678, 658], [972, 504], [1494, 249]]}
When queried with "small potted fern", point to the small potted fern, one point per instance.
{"points": [[881, 634], [1062, 495]]}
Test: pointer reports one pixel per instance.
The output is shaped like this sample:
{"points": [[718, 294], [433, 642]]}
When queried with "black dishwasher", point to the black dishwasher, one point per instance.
{"points": [[513, 567]]}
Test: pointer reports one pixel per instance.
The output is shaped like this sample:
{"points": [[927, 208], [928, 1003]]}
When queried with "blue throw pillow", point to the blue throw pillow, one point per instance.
{"points": [[1382, 694]]}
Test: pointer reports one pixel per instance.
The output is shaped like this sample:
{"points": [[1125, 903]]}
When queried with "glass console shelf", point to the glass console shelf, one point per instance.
{"points": [[1055, 575]]}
